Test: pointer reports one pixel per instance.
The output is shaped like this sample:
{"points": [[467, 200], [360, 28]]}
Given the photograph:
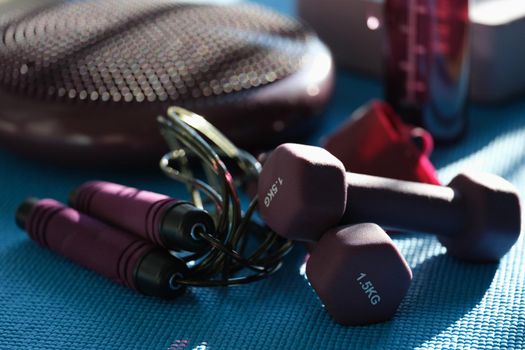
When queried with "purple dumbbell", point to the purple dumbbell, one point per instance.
{"points": [[358, 274], [304, 191], [120, 256], [165, 221]]}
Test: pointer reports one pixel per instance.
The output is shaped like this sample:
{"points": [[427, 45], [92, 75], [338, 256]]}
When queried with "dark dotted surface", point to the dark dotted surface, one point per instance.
{"points": [[145, 51]]}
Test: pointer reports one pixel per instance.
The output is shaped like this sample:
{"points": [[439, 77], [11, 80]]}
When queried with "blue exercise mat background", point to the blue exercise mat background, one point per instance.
{"points": [[47, 302]]}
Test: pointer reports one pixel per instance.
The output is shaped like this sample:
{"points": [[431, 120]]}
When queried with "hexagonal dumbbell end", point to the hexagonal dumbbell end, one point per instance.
{"points": [[492, 218], [301, 191], [358, 274]]}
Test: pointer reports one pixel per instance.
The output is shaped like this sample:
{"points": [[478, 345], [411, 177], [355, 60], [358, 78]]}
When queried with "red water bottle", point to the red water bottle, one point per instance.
{"points": [[427, 63]]}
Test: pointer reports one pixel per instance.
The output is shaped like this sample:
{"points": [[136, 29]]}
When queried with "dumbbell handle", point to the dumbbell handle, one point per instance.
{"points": [[403, 205]]}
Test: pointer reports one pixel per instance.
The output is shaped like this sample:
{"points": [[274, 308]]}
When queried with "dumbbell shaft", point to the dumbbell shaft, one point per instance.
{"points": [[403, 205]]}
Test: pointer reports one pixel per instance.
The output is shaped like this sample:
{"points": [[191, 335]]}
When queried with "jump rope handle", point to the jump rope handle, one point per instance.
{"points": [[164, 221], [120, 256]]}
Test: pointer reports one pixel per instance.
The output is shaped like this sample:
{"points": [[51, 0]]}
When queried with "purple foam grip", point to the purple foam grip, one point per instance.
{"points": [[358, 274], [136, 211], [88, 242]]}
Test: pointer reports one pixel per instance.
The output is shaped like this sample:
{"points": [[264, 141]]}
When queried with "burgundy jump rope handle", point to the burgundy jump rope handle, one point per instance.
{"points": [[122, 257], [165, 221]]}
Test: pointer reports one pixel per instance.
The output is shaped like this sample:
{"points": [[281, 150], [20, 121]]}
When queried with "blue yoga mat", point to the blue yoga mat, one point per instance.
{"points": [[47, 302]]}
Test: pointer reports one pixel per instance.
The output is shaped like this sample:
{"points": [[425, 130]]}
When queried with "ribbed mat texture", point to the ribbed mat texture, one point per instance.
{"points": [[46, 302]]}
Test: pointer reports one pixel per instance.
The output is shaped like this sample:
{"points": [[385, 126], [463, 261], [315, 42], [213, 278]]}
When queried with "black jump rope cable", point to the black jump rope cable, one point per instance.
{"points": [[190, 135]]}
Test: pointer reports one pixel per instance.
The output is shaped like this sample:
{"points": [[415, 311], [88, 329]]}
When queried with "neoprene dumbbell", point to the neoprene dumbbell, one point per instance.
{"points": [[358, 274], [304, 190], [118, 255], [165, 221]]}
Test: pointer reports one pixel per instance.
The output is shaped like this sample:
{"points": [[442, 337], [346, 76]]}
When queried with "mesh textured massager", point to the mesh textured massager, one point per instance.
{"points": [[90, 77]]}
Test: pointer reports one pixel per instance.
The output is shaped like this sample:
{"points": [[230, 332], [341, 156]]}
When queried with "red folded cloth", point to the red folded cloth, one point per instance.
{"points": [[376, 141]]}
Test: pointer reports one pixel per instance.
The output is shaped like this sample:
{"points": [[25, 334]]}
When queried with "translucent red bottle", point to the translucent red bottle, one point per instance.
{"points": [[427, 63]]}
